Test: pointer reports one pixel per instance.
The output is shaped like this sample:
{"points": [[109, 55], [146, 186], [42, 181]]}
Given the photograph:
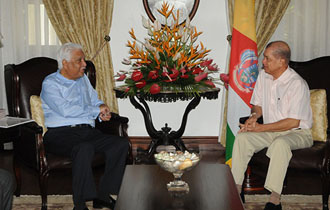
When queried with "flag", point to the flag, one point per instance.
{"points": [[243, 69]]}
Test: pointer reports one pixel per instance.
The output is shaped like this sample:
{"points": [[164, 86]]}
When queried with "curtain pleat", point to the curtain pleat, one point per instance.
{"points": [[87, 22], [268, 15]]}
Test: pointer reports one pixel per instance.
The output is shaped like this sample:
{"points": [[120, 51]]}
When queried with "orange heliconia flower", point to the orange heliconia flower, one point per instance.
{"points": [[164, 11], [132, 34]]}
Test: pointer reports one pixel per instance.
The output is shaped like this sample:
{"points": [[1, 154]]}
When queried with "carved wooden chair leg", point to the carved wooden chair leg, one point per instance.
{"points": [[18, 177], [325, 190], [43, 181], [251, 182], [129, 159]]}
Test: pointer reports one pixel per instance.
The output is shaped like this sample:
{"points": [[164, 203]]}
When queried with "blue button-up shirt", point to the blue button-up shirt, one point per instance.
{"points": [[69, 102]]}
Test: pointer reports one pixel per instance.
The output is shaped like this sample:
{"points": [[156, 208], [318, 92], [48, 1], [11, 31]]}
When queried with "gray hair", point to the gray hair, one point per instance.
{"points": [[64, 53], [281, 50]]}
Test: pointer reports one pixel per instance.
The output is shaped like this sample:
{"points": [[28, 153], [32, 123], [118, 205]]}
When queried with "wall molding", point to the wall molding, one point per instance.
{"points": [[201, 142]]}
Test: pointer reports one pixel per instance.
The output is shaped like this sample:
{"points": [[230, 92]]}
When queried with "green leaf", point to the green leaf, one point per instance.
{"points": [[162, 57]]}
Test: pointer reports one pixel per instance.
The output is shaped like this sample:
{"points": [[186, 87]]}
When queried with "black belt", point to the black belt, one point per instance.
{"points": [[73, 126]]}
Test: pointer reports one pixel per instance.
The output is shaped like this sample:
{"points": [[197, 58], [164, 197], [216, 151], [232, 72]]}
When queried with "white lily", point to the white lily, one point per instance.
{"points": [[185, 37], [150, 33], [180, 31], [134, 67], [138, 47], [157, 55], [176, 56], [188, 22], [126, 61], [157, 25], [172, 23], [145, 22], [148, 46], [164, 69]]}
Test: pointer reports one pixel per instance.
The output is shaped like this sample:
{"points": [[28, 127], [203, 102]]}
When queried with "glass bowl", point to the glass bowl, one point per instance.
{"points": [[177, 163]]}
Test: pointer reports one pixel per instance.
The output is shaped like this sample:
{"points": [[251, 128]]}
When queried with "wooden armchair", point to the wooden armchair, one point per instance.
{"points": [[309, 169], [24, 80]]}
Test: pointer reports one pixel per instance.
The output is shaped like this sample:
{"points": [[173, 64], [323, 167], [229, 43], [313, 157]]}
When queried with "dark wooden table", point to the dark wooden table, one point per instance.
{"points": [[165, 136], [211, 186]]}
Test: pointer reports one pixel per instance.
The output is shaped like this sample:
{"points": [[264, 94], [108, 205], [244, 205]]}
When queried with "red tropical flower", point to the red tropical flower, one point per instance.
{"points": [[183, 70], [201, 76], [175, 74], [154, 89], [121, 77], [206, 62], [141, 84], [165, 74], [137, 75], [212, 67], [209, 83], [153, 75], [225, 79], [197, 70]]}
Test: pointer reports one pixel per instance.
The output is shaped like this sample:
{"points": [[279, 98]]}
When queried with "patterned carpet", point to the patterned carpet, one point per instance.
{"points": [[253, 202], [31, 202], [289, 202]]}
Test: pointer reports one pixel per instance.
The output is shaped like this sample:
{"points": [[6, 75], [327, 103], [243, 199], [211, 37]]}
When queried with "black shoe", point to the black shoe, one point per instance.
{"points": [[83, 209], [242, 196], [98, 204], [271, 206]]}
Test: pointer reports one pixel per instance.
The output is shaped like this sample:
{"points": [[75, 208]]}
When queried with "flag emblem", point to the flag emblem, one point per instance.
{"points": [[246, 72]]}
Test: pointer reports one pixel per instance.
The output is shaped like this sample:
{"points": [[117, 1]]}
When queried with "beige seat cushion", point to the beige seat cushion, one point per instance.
{"points": [[319, 109], [37, 112]]}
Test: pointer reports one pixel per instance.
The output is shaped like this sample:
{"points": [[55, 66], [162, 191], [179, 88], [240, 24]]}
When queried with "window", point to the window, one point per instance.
{"points": [[47, 36]]}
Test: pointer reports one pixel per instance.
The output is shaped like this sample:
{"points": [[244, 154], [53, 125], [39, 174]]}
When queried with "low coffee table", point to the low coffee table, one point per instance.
{"points": [[211, 186]]}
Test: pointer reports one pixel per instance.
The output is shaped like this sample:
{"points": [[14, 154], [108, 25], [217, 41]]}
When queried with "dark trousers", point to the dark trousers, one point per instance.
{"points": [[80, 144], [7, 187]]}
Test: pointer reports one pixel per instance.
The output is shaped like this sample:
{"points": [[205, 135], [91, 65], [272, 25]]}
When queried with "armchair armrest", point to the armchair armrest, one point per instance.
{"points": [[33, 127], [29, 146], [243, 119], [117, 117], [116, 126], [326, 158]]}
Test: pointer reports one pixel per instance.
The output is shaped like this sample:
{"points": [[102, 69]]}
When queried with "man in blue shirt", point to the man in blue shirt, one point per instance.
{"points": [[70, 106]]}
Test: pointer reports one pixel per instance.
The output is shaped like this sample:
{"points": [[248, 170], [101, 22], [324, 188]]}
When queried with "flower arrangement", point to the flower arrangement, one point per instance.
{"points": [[169, 60]]}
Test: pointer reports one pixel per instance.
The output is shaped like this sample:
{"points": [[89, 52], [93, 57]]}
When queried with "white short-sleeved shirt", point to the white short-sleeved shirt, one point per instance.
{"points": [[286, 97]]}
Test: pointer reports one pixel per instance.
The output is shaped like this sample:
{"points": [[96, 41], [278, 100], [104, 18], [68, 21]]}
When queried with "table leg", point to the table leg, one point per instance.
{"points": [[165, 136]]}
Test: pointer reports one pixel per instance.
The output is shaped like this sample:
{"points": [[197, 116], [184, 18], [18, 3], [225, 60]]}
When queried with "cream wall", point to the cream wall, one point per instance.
{"points": [[205, 120]]}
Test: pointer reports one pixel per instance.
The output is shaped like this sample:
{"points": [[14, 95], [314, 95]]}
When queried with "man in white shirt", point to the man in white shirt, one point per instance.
{"points": [[282, 98]]}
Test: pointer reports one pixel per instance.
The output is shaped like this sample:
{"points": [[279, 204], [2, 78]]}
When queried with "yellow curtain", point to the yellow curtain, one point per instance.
{"points": [[87, 22], [268, 14]]}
